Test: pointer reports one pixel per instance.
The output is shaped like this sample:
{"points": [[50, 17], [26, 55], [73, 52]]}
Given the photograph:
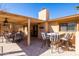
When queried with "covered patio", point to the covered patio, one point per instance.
{"points": [[18, 23]]}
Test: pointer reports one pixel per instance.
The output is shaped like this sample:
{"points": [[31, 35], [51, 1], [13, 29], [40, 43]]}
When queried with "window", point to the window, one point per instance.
{"points": [[63, 27], [71, 26], [68, 26]]}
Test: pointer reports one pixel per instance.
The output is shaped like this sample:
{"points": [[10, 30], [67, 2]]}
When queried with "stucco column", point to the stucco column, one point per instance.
{"points": [[77, 42], [77, 26], [77, 39], [28, 36]]}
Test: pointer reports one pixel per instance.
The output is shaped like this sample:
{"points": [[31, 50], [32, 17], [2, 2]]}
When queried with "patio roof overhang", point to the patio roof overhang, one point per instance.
{"points": [[71, 18], [18, 19], [21, 20]]}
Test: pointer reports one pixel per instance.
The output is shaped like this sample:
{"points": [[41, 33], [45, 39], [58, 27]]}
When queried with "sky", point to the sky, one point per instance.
{"points": [[56, 10]]}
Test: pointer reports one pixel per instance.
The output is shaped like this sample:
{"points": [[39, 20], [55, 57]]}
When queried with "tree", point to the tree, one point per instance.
{"points": [[77, 7]]}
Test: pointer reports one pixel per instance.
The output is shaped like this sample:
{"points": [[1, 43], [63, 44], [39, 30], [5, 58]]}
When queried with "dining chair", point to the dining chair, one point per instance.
{"points": [[1, 38], [54, 38], [6, 36], [66, 40], [44, 39], [1, 50]]}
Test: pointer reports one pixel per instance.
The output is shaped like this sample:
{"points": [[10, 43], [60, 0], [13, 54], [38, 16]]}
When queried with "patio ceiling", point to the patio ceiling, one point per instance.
{"points": [[18, 19], [66, 19]]}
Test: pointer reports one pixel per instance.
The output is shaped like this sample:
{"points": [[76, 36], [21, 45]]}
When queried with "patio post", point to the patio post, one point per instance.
{"points": [[77, 26], [28, 38], [77, 39]]}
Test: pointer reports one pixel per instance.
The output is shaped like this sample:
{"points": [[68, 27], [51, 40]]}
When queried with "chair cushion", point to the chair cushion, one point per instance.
{"points": [[64, 39]]}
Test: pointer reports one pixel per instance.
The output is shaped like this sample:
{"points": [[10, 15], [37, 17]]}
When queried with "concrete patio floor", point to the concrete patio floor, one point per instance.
{"points": [[14, 49]]}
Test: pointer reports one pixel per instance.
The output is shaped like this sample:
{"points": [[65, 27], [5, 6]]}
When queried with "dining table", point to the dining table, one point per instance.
{"points": [[58, 34]]}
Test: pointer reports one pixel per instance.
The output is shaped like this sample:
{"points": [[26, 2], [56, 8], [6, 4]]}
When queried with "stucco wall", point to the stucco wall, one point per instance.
{"points": [[53, 27], [77, 41], [43, 15]]}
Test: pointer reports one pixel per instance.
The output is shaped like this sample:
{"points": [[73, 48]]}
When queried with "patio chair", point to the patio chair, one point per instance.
{"points": [[44, 39], [1, 38], [7, 37], [54, 38], [66, 40], [17, 37]]}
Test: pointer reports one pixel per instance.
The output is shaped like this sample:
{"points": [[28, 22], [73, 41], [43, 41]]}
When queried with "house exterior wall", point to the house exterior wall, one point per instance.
{"points": [[54, 26]]}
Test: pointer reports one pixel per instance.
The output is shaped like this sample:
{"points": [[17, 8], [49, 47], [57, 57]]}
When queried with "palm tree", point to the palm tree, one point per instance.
{"points": [[77, 7]]}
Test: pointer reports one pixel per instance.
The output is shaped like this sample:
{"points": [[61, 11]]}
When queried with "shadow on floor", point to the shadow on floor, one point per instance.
{"points": [[34, 49]]}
